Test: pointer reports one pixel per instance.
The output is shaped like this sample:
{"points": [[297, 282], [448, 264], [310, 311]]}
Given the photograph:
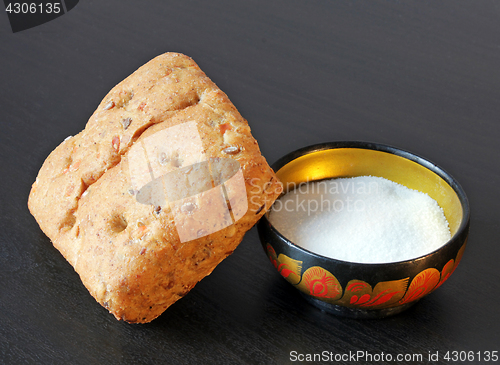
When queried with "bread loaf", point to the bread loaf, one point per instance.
{"points": [[158, 189]]}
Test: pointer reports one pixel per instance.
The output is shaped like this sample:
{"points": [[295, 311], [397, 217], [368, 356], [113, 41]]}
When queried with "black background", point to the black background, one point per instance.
{"points": [[420, 75]]}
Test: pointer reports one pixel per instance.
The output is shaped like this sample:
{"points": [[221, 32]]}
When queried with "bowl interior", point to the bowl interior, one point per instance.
{"points": [[351, 162]]}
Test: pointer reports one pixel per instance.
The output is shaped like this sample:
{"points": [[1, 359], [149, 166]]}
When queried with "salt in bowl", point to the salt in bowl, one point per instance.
{"points": [[367, 290]]}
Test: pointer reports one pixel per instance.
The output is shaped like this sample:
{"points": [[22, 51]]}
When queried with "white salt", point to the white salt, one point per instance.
{"points": [[362, 219]]}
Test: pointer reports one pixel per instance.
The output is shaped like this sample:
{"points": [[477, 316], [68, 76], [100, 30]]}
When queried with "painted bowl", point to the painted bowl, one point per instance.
{"points": [[365, 290]]}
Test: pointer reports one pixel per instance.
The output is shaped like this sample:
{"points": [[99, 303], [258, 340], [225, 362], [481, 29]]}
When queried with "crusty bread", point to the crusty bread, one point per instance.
{"points": [[91, 200]]}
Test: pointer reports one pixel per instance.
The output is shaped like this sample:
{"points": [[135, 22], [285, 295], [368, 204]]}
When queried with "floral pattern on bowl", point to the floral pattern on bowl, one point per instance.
{"points": [[323, 285]]}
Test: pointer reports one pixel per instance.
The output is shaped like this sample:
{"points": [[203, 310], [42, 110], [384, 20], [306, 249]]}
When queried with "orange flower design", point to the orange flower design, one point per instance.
{"points": [[450, 267], [289, 268], [272, 255], [360, 294], [421, 285], [321, 283]]}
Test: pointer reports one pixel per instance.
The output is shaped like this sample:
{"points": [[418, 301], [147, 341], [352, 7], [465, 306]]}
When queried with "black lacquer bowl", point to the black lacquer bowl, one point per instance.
{"points": [[363, 290]]}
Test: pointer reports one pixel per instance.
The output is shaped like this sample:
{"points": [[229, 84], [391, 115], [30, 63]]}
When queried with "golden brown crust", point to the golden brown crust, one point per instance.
{"points": [[128, 254]]}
